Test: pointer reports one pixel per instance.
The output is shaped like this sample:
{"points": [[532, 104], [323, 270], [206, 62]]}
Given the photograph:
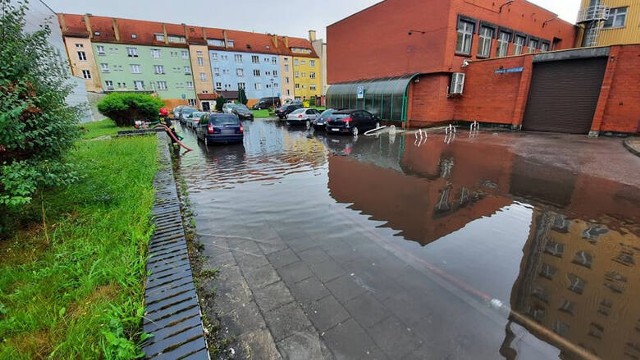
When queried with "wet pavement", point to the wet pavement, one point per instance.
{"points": [[488, 245]]}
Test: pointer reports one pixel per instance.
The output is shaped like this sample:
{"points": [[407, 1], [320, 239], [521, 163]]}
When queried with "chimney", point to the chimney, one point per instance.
{"points": [[286, 41], [164, 32], [312, 35], [87, 23], [116, 30], [274, 39]]}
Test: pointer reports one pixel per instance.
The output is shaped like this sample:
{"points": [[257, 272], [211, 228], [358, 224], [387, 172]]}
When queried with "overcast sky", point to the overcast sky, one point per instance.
{"points": [[283, 17]]}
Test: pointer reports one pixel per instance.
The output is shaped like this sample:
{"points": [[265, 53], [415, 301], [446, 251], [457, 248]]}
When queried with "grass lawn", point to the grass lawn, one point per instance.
{"points": [[72, 278], [262, 113]]}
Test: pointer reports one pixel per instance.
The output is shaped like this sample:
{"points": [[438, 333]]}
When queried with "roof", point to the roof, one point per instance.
{"points": [[143, 32]]}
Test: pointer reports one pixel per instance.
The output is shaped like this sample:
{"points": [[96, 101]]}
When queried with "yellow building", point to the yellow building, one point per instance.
{"points": [[203, 85], [307, 77], [286, 77], [608, 22], [82, 61]]}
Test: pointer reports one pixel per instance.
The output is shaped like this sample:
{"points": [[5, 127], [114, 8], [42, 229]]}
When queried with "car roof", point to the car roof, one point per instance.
{"points": [[347, 111]]}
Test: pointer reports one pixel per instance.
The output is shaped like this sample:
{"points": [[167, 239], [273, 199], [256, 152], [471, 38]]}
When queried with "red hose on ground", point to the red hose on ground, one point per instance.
{"points": [[174, 136]]}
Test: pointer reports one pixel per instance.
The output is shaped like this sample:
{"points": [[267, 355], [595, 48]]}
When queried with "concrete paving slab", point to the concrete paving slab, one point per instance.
{"points": [[325, 313], [309, 289], [349, 341], [273, 296], [292, 273], [304, 344], [282, 258], [262, 276], [286, 321]]}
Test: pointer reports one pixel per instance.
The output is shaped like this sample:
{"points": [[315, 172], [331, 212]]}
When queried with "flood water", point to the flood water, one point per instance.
{"points": [[444, 248]]}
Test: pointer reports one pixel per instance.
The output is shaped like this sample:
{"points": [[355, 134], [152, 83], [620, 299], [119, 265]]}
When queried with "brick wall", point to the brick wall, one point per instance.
{"points": [[622, 105], [428, 102]]}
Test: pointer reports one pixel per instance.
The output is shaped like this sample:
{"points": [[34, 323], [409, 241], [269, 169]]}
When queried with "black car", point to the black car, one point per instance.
{"points": [[352, 121], [220, 128], [242, 112], [267, 102], [284, 110]]}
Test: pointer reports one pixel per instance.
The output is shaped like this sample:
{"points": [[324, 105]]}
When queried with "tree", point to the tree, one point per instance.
{"points": [[220, 100], [125, 108], [37, 127], [242, 97]]}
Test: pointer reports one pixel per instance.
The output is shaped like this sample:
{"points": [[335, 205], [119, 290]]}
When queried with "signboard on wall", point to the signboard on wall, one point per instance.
{"points": [[510, 70], [360, 92]]}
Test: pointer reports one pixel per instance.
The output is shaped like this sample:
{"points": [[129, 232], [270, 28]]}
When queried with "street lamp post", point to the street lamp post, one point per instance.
{"points": [[272, 93]]}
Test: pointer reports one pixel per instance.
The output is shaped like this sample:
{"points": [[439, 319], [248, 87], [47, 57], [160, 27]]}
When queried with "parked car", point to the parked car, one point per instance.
{"points": [[227, 107], [267, 102], [184, 112], [352, 121], [302, 116], [192, 119], [242, 111], [220, 128], [284, 110], [320, 122], [176, 111]]}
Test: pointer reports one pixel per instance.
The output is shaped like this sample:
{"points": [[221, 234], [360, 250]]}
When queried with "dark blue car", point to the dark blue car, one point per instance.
{"points": [[220, 128]]}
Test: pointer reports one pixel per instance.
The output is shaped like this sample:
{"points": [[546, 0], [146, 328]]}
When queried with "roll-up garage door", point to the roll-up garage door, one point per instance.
{"points": [[564, 94]]}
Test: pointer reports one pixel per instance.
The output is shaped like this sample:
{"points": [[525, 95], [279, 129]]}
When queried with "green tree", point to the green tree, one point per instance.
{"points": [[220, 100], [242, 97], [37, 127], [125, 108]]}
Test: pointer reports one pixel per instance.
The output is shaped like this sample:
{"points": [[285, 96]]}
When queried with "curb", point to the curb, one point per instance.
{"points": [[172, 312], [634, 149]]}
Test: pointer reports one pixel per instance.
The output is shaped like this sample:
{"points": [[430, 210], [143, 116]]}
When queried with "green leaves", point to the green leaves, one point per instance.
{"points": [[125, 108]]}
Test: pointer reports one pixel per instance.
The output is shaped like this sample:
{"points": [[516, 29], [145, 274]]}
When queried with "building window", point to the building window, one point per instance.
{"points": [[230, 43], [215, 42], [86, 74], [576, 284], [275, 85], [256, 72], [138, 85], [544, 47], [241, 85], [155, 53], [297, 86], [200, 60], [274, 60], [79, 46], [518, 45], [185, 54], [296, 74], [465, 35], [286, 80], [199, 53], [533, 45], [257, 86], [303, 74], [547, 271], [82, 56], [192, 102], [132, 52], [312, 87], [255, 59], [554, 248], [135, 69], [218, 86], [303, 62], [203, 76], [109, 84], [100, 49], [214, 56], [617, 18], [312, 63], [159, 37], [225, 71], [286, 67], [275, 72], [104, 67], [162, 85], [240, 72], [187, 70], [503, 44], [216, 71], [158, 69], [177, 39], [189, 84], [238, 58], [295, 62]]}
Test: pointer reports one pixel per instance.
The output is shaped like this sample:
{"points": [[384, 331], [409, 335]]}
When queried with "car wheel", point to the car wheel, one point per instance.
{"points": [[354, 131]]}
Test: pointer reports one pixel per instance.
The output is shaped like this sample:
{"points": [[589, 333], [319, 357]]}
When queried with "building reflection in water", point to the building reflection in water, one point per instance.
{"points": [[579, 278]]}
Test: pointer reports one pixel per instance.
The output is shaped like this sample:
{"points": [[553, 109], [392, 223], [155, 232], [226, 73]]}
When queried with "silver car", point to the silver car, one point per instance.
{"points": [[302, 116]]}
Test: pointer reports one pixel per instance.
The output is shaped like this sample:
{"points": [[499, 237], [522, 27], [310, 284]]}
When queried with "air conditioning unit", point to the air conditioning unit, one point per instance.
{"points": [[457, 83]]}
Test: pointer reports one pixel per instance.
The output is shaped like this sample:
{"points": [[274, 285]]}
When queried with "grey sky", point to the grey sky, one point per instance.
{"points": [[284, 17]]}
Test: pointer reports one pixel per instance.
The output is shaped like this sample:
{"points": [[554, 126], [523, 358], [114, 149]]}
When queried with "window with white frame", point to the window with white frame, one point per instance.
{"points": [[303, 74], [218, 86], [215, 42], [82, 56], [255, 59], [256, 72], [79, 46], [159, 37], [484, 43], [312, 75], [162, 85], [200, 61], [544, 47], [192, 102], [224, 57], [241, 85], [138, 85], [238, 58], [286, 80], [295, 62], [518, 45], [100, 49], [203, 76], [297, 86], [303, 62], [274, 60], [257, 86], [199, 53], [132, 52], [214, 56], [230, 43], [135, 68], [576, 283], [177, 39], [296, 74], [275, 72], [312, 63], [86, 74], [240, 72], [465, 35], [185, 54], [533, 45], [187, 70], [312, 87], [158, 69], [109, 84], [286, 67], [104, 67], [275, 85], [189, 84], [457, 83], [617, 18], [225, 72], [503, 44], [155, 53], [216, 71]]}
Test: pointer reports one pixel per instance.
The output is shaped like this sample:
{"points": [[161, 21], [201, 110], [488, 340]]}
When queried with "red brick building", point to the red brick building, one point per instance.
{"points": [[434, 61]]}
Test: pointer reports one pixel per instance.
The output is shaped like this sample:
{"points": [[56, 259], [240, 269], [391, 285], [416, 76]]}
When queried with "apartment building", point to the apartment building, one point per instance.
{"points": [[183, 64], [608, 22]]}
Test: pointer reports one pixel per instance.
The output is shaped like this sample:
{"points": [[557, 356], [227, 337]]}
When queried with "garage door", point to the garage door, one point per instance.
{"points": [[564, 95]]}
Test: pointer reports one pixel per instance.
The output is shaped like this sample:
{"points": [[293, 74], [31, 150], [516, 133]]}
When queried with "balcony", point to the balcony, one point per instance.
{"points": [[597, 12]]}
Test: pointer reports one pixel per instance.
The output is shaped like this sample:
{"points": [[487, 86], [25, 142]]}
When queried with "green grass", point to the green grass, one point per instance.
{"points": [[71, 281], [262, 113], [95, 129]]}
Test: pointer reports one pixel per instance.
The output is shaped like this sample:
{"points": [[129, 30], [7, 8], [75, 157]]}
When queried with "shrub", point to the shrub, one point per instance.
{"points": [[220, 100], [125, 108], [37, 127]]}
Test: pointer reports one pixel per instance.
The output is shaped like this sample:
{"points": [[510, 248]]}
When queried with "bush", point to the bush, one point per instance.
{"points": [[220, 100], [37, 127], [125, 108]]}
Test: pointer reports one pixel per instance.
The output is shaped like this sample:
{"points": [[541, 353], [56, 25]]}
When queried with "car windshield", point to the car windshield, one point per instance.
{"points": [[325, 114], [187, 111], [224, 120]]}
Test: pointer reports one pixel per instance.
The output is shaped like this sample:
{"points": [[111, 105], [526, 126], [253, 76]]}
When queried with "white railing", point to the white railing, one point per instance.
{"points": [[593, 13]]}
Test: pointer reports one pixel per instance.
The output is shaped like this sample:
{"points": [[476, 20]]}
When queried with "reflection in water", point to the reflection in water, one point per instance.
{"points": [[559, 249]]}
